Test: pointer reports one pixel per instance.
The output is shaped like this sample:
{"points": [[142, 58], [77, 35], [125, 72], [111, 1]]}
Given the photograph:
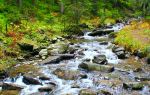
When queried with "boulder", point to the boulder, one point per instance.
{"points": [[121, 54], [100, 59], [11, 86], [57, 58], [68, 74], [148, 60], [58, 48], [43, 52], [116, 49], [87, 92], [3, 74], [100, 32], [96, 67], [26, 46], [133, 85], [140, 54], [30, 81], [119, 51]]}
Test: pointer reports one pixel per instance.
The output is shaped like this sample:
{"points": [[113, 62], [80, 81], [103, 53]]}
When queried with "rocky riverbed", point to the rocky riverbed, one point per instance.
{"points": [[86, 65]]}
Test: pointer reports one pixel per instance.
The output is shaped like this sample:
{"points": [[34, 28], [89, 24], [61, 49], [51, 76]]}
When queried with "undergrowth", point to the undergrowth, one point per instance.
{"points": [[135, 36]]}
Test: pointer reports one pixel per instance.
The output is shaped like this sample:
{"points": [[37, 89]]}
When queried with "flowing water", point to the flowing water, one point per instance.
{"points": [[89, 49]]}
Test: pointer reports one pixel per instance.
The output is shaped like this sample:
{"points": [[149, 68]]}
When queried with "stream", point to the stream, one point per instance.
{"points": [[67, 77]]}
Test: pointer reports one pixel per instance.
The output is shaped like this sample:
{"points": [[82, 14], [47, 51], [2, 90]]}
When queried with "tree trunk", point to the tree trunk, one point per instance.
{"points": [[61, 7], [19, 3]]}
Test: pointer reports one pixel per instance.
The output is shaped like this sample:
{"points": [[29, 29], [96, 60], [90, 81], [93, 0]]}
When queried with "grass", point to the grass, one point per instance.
{"points": [[135, 36]]}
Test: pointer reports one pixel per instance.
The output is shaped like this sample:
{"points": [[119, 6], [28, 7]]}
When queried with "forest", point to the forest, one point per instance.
{"points": [[74, 47]]}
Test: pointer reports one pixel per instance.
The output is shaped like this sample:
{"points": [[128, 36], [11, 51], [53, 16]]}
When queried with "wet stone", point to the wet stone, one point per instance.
{"points": [[44, 78], [69, 74], [100, 32], [96, 67], [29, 80], [43, 52], [119, 51], [11, 86], [45, 89], [87, 92], [57, 58], [100, 59], [75, 85], [104, 43]]}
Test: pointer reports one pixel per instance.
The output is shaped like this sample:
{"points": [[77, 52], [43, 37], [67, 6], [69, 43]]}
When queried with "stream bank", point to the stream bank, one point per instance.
{"points": [[86, 65]]}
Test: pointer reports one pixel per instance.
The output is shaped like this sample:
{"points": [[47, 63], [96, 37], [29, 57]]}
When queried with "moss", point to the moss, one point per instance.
{"points": [[9, 92], [24, 69]]}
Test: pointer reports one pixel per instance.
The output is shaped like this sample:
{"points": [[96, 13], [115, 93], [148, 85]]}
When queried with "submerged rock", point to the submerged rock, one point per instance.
{"points": [[87, 92], [104, 43], [100, 59], [68, 74], [47, 88], [133, 85], [29, 80], [11, 86], [96, 67]]}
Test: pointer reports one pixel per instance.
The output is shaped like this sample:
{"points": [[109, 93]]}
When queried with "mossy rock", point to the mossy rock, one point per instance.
{"points": [[133, 85], [23, 69], [9, 92], [68, 74]]}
